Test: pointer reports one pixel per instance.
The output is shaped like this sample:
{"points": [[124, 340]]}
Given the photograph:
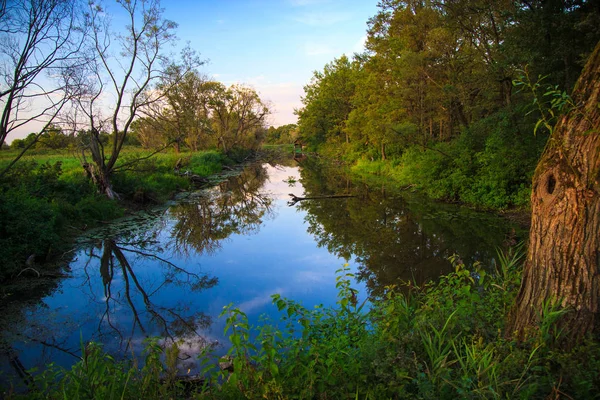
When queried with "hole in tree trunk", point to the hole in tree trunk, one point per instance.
{"points": [[551, 184]]}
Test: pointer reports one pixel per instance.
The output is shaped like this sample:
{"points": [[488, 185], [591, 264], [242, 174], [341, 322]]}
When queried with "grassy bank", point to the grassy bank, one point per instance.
{"points": [[488, 165], [444, 340], [424, 171], [46, 197]]}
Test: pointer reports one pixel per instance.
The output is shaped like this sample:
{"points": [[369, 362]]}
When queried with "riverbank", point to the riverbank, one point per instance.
{"points": [[386, 174], [46, 201], [438, 186]]}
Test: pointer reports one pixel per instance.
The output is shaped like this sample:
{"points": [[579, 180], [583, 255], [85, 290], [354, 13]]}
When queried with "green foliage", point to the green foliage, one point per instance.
{"points": [[313, 355], [285, 134], [35, 205], [444, 340], [489, 165], [327, 104], [44, 197], [549, 105], [207, 163], [434, 94], [100, 376], [28, 225]]}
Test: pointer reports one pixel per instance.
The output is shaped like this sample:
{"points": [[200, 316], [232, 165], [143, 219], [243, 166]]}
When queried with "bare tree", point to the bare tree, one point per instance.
{"points": [[40, 43], [122, 66]]}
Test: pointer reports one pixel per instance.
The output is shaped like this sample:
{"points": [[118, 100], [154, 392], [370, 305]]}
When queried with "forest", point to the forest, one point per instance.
{"points": [[457, 98]]}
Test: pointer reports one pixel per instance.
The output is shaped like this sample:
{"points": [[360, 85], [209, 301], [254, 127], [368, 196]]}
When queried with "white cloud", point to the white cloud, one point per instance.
{"points": [[308, 277], [259, 301], [359, 46]]}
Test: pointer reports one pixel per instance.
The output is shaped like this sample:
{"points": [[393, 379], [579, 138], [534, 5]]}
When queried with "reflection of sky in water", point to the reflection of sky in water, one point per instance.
{"points": [[280, 257], [252, 245]]}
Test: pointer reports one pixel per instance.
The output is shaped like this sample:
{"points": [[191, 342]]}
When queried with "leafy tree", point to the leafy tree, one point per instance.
{"points": [[182, 117], [26, 142], [554, 38], [284, 134], [484, 26], [327, 104], [54, 138], [238, 116]]}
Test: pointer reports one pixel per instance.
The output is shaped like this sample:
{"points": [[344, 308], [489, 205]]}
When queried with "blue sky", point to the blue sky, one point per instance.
{"points": [[274, 46]]}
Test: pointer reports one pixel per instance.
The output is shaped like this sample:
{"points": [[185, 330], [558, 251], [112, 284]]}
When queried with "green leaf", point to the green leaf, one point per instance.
{"points": [[235, 339], [537, 125], [280, 305], [344, 302]]}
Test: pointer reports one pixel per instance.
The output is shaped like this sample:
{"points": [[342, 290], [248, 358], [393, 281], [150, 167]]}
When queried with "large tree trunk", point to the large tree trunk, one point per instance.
{"points": [[563, 260]]}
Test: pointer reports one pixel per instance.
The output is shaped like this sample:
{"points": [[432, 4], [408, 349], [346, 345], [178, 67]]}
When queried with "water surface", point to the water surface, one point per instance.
{"points": [[169, 272]]}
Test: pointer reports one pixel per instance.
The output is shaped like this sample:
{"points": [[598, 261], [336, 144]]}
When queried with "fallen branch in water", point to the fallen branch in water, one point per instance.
{"points": [[294, 199]]}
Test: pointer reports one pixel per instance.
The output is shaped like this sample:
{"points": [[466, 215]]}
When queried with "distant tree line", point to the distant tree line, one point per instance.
{"points": [[284, 134]]}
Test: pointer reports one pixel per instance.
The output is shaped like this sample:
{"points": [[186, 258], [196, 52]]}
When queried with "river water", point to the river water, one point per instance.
{"points": [[168, 272]]}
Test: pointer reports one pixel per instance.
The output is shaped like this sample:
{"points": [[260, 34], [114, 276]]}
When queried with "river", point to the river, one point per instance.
{"points": [[169, 272]]}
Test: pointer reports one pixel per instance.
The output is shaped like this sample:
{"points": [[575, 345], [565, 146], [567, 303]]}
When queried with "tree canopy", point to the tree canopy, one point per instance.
{"points": [[434, 89]]}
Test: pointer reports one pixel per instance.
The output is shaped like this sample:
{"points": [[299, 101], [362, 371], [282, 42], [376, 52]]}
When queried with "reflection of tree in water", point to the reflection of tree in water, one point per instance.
{"points": [[18, 300], [235, 206], [392, 238], [129, 280], [143, 297]]}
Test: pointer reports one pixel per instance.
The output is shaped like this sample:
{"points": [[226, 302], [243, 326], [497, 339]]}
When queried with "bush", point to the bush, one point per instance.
{"points": [[490, 164], [28, 226], [208, 163]]}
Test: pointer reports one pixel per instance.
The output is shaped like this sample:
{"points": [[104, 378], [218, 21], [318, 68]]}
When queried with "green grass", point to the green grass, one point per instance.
{"points": [[46, 194]]}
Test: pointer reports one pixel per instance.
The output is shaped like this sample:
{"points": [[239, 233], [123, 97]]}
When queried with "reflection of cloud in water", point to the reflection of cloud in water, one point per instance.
{"points": [[313, 277], [320, 260], [280, 189], [259, 301]]}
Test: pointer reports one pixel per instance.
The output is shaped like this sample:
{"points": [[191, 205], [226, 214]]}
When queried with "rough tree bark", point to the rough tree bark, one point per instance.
{"points": [[563, 260]]}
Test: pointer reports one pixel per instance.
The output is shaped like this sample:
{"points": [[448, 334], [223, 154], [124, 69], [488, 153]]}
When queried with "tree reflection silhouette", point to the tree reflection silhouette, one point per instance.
{"points": [[235, 206], [393, 238], [167, 321], [128, 279]]}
